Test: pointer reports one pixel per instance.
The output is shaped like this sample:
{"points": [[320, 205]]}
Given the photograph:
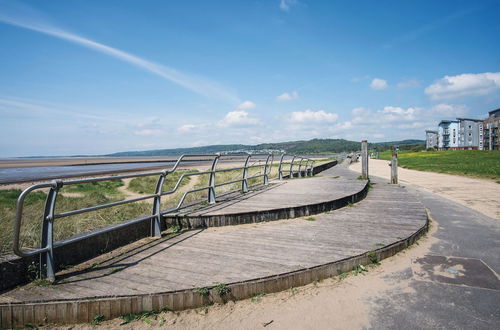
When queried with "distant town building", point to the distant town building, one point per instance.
{"points": [[469, 137], [466, 134], [448, 135], [431, 139], [490, 131]]}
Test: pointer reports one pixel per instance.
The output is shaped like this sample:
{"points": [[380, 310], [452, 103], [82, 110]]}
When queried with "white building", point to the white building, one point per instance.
{"points": [[448, 135], [431, 139]]}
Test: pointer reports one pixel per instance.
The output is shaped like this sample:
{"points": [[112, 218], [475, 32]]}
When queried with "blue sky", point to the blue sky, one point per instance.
{"points": [[95, 77]]}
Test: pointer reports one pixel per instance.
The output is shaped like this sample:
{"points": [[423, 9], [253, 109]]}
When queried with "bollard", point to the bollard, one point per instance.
{"points": [[394, 168], [364, 159]]}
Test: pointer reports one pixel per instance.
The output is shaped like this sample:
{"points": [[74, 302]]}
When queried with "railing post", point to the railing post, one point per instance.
{"points": [[47, 266], [266, 175], [156, 221], [291, 167], [211, 188], [300, 167], [280, 168], [244, 183], [312, 167], [306, 170], [394, 168], [364, 159]]}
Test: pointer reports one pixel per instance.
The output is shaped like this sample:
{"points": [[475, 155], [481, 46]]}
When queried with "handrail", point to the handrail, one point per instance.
{"points": [[47, 265]]}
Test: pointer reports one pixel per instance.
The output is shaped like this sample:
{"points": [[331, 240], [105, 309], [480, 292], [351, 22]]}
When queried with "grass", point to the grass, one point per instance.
{"points": [[311, 219], [473, 163], [64, 227], [147, 184], [100, 187]]}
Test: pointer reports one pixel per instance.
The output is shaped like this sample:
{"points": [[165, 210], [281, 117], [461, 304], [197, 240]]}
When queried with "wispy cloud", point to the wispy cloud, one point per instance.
{"points": [[287, 96], [286, 4], [26, 17], [378, 84]]}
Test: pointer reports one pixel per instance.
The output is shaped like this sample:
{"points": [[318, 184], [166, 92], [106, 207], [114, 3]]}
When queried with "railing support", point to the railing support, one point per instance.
{"points": [[47, 258], [280, 169], [266, 174], [394, 168], [156, 221], [300, 167], [211, 189], [244, 183], [307, 171], [291, 167], [364, 159]]}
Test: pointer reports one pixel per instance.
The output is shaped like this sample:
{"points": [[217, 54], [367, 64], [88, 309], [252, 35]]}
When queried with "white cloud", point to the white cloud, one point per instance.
{"points": [[287, 96], [26, 17], [286, 4], [390, 113], [467, 84], [449, 110], [378, 84], [186, 128], [309, 116], [238, 118], [246, 105]]}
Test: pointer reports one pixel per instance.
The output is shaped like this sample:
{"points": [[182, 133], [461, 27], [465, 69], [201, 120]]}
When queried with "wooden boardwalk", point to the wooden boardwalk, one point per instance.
{"points": [[230, 254], [199, 258]]}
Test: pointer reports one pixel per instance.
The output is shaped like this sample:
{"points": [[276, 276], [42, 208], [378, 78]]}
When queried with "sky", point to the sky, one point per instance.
{"points": [[96, 77]]}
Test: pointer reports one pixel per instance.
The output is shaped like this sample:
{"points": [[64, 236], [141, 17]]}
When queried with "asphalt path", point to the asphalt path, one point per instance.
{"points": [[456, 284]]}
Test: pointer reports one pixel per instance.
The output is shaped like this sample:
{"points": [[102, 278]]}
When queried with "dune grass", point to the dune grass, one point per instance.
{"points": [[147, 184], [473, 163]]}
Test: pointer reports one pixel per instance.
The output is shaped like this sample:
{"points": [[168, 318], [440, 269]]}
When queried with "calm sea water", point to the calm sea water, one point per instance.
{"points": [[23, 174]]}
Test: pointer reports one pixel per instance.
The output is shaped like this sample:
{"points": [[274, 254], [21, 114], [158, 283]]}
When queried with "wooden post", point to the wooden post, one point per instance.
{"points": [[394, 167], [364, 159]]}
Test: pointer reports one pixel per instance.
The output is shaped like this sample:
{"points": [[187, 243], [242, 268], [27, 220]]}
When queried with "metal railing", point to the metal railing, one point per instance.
{"points": [[296, 166]]}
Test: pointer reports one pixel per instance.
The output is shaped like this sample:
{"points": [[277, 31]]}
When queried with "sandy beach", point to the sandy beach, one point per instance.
{"points": [[478, 194]]}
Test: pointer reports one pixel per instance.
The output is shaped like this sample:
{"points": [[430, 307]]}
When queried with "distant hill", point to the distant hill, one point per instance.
{"points": [[314, 146]]}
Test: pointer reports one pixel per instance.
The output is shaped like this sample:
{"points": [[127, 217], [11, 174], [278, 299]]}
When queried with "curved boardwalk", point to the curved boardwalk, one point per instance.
{"points": [[252, 258]]}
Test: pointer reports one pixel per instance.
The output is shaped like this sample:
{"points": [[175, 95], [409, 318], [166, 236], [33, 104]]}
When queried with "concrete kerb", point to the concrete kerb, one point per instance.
{"points": [[84, 310]]}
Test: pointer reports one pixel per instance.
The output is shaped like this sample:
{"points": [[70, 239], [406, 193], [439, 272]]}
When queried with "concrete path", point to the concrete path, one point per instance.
{"points": [[479, 194], [455, 285]]}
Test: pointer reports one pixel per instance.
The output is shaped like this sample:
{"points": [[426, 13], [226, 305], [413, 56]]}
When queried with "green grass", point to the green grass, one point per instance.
{"points": [[147, 184], [473, 163], [64, 227], [101, 187]]}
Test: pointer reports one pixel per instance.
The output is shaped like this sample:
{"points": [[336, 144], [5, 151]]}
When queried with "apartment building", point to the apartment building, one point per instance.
{"points": [[490, 131], [470, 136], [448, 135], [431, 139]]}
